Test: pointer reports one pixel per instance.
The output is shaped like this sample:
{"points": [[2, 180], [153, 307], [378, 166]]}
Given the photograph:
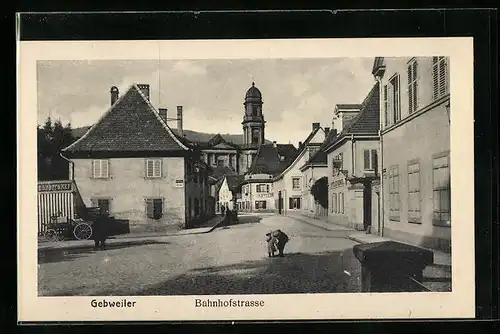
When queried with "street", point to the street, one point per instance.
{"points": [[231, 260]]}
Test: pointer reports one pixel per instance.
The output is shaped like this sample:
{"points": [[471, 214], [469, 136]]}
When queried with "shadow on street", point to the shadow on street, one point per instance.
{"points": [[295, 273], [61, 255]]}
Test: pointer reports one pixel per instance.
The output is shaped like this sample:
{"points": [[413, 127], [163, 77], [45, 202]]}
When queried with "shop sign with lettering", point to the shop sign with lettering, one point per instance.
{"points": [[53, 187]]}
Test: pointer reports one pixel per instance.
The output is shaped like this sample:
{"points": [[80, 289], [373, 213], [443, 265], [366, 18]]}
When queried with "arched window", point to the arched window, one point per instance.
{"points": [[255, 136], [255, 110]]}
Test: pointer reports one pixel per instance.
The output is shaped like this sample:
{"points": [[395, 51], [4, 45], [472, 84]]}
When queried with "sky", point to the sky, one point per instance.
{"points": [[295, 92]]}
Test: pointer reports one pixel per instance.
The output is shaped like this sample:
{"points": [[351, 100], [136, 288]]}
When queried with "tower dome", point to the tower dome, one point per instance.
{"points": [[253, 93]]}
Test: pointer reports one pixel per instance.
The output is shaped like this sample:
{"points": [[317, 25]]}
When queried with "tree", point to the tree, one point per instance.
{"points": [[52, 138], [319, 190]]}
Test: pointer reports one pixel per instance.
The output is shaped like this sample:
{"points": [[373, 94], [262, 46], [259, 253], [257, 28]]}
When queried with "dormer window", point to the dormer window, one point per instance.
{"points": [[282, 157]]}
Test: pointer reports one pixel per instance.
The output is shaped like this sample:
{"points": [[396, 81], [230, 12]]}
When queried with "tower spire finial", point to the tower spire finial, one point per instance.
{"points": [[253, 83]]}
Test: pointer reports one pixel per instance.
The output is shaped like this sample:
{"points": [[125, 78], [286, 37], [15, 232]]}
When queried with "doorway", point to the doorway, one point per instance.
{"points": [[280, 202], [367, 206]]}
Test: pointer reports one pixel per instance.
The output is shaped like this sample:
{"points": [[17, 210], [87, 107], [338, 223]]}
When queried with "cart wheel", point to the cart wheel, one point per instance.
{"points": [[82, 231], [51, 235]]}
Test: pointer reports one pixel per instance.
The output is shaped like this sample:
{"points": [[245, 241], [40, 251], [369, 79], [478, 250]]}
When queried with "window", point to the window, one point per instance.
{"points": [[412, 87], [262, 188], [100, 169], [260, 205], [370, 160], [394, 193], [153, 168], [255, 110], [154, 208], [341, 202], [414, 192], [103, 204], [255, 136], [294, 203], [335, 203], [395, 98], [441, 187], [440, 82], [384, 97], [220, 162], [337, 163], [296, 183]]}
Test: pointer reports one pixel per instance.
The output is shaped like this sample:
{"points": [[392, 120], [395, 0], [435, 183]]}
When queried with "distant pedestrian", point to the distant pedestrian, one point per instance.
{"points": [[271, 244], [282, 241], [99, 233], [223, 209]]}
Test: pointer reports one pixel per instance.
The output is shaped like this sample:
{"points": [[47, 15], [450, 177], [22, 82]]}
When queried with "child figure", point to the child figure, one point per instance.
{"points": [[271, 244]]}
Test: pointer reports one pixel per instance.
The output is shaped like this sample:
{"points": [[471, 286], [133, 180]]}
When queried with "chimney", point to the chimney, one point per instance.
{"points": [[300, 145], [327, 131], [163, 113], [114, 94], [144, 89], [274, 144], [179, 120], [315, 126]]}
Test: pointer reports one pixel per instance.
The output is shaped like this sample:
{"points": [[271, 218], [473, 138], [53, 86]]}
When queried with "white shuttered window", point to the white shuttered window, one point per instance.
{"points": [[412, 87], [153, 168], [100, 169], [440, 81]]}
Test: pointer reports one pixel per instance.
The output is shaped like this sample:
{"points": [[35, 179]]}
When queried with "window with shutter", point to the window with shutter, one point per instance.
{"points": [[370, 160], [153, 168], [384, 97], [441, 191], [412, 87], [100, 169], [395, 98], [341, 202], [394, 193], [440, 80], [366, 159], [414, 192], [154, 208], [374, 160], [335, 203]]}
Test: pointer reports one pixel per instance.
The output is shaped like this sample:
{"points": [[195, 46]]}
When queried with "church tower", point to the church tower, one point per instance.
{"points": [[253, 120]]}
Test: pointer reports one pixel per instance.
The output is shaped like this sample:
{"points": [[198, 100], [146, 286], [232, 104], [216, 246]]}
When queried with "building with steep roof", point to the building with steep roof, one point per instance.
{"points": [[353, 160], [315, 168], [415, 143], [132, 165], [289, 183], [227, 191], [257, 185]]}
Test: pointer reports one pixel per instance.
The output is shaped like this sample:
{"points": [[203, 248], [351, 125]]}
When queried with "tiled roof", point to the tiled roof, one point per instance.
{"points": [[233, 181], [268, 161], [131, 124], [368, 119], [203, 139], [377, 64], [220, 172], [366, 122], [300, 150], [320, 157], [348, 106]]}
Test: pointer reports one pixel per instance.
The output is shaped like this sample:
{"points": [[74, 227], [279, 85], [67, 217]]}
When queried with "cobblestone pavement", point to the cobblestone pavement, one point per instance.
{"points": [[229, 260]]}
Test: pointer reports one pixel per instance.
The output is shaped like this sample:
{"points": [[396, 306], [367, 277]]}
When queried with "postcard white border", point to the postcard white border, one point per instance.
{"points": [[460, 303]]}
